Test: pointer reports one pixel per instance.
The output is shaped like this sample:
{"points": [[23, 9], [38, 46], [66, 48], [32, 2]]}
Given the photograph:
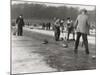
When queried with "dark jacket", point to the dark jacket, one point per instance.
{"points": [[20, 22]]}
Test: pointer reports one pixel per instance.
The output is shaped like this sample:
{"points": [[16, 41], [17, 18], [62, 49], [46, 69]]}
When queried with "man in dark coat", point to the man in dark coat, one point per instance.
{"points": [[20, 24], [82, 27]]}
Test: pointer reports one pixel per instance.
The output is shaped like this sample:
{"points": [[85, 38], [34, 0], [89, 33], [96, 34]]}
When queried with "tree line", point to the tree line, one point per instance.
{"points": [[41, 11]]}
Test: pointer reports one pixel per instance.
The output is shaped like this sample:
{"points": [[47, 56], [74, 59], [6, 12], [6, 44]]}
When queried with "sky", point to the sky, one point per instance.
{"points": [[88, 7]]}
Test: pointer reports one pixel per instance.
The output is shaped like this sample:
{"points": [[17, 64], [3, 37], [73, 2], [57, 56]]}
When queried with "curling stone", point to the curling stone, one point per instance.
{"points": [[45, 41]]}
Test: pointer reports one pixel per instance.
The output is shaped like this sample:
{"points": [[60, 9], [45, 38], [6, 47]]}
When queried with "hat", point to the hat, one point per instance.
{"points": [[84, 10]]}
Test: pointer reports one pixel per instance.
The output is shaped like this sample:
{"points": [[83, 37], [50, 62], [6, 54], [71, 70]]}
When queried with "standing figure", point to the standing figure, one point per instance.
{"points": [[43, 25], [20, 24], [62, 28], [82, 27], [70, 28], [57, 29], [49, 25]]}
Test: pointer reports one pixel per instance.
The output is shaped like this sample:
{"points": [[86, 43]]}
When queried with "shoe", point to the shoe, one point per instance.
{"points": [[73, 39], [56, 40], [67, 39], [87, 52], [62, 39]]}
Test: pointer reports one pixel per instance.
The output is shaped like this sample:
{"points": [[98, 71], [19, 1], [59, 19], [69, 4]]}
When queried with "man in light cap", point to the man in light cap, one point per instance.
{"points": [[82, 28]]}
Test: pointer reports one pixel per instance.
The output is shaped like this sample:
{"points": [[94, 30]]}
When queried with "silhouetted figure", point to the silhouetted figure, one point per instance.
{"points": [[43, 25], [20, 24], [49, 25], [46, 26]]}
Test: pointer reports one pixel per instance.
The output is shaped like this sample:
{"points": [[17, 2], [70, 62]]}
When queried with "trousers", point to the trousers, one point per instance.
{"points": [[57, 33], [85, 41], [20, 31]]}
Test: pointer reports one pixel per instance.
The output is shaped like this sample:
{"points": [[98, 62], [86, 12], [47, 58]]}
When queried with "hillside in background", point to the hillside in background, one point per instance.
{"points": [[40, 11]]}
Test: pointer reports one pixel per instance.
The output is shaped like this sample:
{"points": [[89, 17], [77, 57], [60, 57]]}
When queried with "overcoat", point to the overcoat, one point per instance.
{"points": [[82, 24], [20, 22]]}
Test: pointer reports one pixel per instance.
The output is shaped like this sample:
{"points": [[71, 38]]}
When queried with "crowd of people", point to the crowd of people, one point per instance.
{"points": [[46, 26], [81, 26], [61, 28]]}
